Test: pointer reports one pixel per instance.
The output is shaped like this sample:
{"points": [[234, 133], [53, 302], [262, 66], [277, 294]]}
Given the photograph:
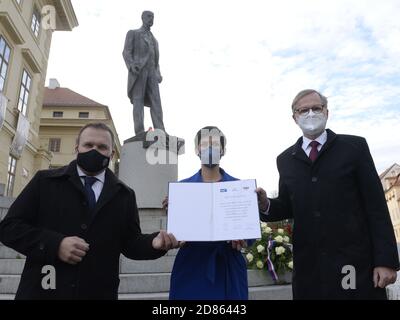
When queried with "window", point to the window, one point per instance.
{"points": [[12, 166], [4, 61], [58, 114], [35, 25], [84, 115], [24, 92], [55, 144]]}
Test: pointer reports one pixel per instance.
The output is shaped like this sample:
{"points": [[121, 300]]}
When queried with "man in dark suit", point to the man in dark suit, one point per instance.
{"points": [[79, 219], [141, 56], [343, 241]]}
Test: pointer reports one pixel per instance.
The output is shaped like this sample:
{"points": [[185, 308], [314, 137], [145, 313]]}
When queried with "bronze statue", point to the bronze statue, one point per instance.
{"points": [[141, 56]]}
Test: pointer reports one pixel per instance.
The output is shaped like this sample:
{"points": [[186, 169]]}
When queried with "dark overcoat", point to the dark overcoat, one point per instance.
{"points": [[53, 206], [340, 219]]}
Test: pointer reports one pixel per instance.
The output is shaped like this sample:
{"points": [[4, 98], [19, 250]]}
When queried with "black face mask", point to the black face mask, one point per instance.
{"points": [[92, 161]]}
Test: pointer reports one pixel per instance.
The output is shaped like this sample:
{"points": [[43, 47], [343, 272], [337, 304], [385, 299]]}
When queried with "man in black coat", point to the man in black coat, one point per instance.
{"points": [[76, 221], [343, 241]]}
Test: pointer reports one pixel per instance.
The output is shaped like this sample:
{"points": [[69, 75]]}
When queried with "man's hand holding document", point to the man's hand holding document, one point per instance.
{"points": [[213, 211]]}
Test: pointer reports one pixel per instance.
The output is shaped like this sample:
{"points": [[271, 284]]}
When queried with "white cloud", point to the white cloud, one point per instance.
{"points": [[239, 64]]}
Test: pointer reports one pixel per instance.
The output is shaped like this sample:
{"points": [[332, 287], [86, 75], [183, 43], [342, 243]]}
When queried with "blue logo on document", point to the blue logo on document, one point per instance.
{"points": [[223, 190]]}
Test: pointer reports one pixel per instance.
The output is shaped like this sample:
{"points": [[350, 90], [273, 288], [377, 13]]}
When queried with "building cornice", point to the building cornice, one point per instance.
{"points": [[30, 59], [11, 28], [67, 19]]}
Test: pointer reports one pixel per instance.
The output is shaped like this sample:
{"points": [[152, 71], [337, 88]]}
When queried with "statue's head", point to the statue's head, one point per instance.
{"points": [[148, 18]]}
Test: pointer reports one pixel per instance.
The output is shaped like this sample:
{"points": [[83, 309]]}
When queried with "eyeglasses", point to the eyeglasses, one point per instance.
{"points": [[317, 109]]}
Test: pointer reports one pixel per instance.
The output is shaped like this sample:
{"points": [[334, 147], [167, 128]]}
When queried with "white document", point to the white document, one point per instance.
{"points": [[213, 211]]}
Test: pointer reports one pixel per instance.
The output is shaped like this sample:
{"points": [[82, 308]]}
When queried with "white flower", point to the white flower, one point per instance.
{"points": [[286, 239], [281, 231], [280, 250], [279, 239], [267, 230], [264, 225], [260, 248], [290, 265], [249, 257], [260, 264]]}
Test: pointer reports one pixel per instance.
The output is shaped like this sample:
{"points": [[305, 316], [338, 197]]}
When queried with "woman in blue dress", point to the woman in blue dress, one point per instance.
{"points": [[210, 270]]}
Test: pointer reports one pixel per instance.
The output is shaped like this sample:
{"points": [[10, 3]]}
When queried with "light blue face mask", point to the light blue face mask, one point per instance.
{"points": [[210, 157]]}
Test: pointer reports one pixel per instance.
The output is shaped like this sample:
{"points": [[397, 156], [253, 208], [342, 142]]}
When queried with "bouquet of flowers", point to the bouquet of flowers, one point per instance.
{"points": [[273, 252]]}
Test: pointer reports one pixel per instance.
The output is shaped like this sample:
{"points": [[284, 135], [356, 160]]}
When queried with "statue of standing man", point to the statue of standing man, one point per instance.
{"points": [[141, 56]]}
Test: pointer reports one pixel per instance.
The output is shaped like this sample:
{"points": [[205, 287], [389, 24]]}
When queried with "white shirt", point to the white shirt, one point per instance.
{"points": [[97, 187], [321, 139]]}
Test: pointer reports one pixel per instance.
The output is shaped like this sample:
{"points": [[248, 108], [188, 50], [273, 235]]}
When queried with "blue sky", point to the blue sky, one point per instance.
{"points": [[238, 65]]}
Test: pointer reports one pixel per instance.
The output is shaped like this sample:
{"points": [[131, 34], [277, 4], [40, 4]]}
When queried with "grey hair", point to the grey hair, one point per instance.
{"points": [[306, 92]]}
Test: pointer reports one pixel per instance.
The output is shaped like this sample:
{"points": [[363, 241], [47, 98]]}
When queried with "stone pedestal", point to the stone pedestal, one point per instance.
{"points": [[148, 168]]}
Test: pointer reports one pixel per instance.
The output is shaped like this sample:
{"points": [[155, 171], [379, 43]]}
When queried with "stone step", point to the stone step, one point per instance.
{"points": [[283, 292], [159, 282], [161, 265], [144, 283], [152, 224], [11, 266], [139, 283], [7, 253], [144, 296], [9, 284], [257, 293], [172, 252]]}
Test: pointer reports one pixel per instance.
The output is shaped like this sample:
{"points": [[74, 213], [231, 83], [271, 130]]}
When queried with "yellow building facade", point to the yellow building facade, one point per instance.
{"points": [[26, 29], [64, 113], [391, 184]]}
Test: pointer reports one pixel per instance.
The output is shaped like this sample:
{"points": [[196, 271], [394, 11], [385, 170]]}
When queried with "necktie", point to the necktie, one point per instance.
{"points": [[91, 197], [314, 150]]}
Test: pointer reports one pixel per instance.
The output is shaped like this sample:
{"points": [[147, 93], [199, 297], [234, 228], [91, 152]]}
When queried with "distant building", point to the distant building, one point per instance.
{"points": [[390, 179], [25, 39], [64, 113]]}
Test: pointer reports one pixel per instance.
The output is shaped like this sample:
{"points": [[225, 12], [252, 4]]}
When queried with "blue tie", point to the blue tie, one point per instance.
{"points": [[91, 197]]}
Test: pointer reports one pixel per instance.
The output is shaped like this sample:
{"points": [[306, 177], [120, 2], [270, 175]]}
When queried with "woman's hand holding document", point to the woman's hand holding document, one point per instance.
{"points": [[213, 211]]}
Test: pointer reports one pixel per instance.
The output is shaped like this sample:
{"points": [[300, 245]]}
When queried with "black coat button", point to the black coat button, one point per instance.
{"points": [[314, 179], [41, 246], [317, 214], [83, 226]]}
